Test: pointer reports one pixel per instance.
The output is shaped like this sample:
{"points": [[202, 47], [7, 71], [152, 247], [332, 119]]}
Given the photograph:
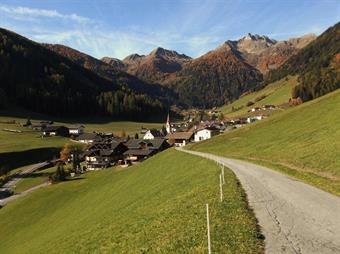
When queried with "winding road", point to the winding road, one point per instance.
{"points": [[294, 217]]}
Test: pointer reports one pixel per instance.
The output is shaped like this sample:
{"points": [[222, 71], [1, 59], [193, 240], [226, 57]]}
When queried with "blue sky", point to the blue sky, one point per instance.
{"points": [[118, 28]]}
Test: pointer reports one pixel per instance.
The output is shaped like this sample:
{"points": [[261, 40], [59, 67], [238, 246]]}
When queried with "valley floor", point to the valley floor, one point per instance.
{"points": [[157, 206]]}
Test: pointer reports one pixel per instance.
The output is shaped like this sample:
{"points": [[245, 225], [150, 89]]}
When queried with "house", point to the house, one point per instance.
{"points": [[206, 133], [268, 107], [104, 154], [76, 130], [37, 127], [180, 138], [152, 134], [95, 161], [138, 154], [139, 149], [55, 131], [254, 109], [89, 138]]}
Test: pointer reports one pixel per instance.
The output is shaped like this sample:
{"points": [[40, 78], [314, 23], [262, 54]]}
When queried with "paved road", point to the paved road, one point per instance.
{"points": [[5, 201], [294, 217], [19, 176]]}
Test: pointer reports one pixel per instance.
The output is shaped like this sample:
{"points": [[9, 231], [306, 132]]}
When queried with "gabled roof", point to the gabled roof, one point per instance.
{"points": [[139, 152], [53, 128], [75, 127], [180, 135], [89, 136], [106, 152], [151, 143], [155, 133], [210, 128]]}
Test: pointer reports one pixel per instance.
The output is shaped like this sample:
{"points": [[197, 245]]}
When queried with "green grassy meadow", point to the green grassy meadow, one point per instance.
{"points": [[303, 141], [276, 93], [27, 147], [157, 206]]}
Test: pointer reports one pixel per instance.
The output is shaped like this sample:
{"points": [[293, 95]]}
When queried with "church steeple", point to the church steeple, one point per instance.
{"points": [[167, 125]]}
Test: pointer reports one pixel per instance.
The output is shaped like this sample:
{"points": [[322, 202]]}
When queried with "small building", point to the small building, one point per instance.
{"points": [[104, 154], [37, 127], [206, 133], [89, 138], [152, 134], [254, 109], [140, 149], [55, 131], [180, 138], [76, 130], [134, 155], [268, 107], [94, 160]]}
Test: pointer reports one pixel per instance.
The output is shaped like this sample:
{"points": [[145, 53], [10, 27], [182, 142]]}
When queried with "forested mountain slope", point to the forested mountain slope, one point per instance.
{"points": [[40, 80], [318, 65]]}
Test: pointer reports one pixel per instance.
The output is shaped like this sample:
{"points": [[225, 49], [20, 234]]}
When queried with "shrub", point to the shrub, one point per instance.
{"points": [[59, 175], [260, 98], [249, 103]]}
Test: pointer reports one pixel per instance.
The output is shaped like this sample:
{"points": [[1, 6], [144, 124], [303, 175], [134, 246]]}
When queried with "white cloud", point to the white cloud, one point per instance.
{"points": [[20, 12]]}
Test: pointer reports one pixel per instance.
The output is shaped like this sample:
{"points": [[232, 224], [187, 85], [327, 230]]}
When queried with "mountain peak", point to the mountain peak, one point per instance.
{"points": [[162, 52], [159, 51], [254, 43], [132, 57], [256, 37]]}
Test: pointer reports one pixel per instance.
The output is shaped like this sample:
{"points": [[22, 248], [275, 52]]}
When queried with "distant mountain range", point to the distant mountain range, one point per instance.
{"points": [[217, 77], [161, 78]]}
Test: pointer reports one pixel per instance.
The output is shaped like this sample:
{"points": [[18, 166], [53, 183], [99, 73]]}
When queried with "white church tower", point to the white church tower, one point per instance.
{"points": [[167, 125]]}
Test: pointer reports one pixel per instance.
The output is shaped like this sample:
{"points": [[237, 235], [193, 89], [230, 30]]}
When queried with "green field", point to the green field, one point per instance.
{"points": [[276, 93], [19, 149], [100, 124], [303, 141], [157, 206]]}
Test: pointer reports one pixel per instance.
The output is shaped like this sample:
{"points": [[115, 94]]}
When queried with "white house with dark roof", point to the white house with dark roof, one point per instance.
{"points": [[76, 130], [152, 134], [206, 133]]}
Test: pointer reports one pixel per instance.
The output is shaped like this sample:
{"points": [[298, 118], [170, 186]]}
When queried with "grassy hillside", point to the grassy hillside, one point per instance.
{"points": [[157, 206], [276, 93], [303, 141]]}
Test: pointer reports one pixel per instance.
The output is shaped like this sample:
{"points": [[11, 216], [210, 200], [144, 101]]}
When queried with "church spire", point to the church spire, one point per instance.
{"points": [[167, 125]]}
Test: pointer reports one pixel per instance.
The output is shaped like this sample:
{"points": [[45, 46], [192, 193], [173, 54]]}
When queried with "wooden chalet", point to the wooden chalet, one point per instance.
{"points": [[140, 149], [55, 131], [104, 154], [180, 138]]}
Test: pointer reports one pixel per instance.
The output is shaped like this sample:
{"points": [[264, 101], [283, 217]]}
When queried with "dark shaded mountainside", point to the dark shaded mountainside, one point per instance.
{"points": [[317, 64], [34, 77]]}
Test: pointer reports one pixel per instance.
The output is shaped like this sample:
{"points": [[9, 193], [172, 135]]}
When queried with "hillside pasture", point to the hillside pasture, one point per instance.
{"points": [[157, 206], [303, 141]]}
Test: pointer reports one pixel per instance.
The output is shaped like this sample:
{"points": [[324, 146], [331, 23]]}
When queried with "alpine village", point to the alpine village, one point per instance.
{"points": [[235, 150]]}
